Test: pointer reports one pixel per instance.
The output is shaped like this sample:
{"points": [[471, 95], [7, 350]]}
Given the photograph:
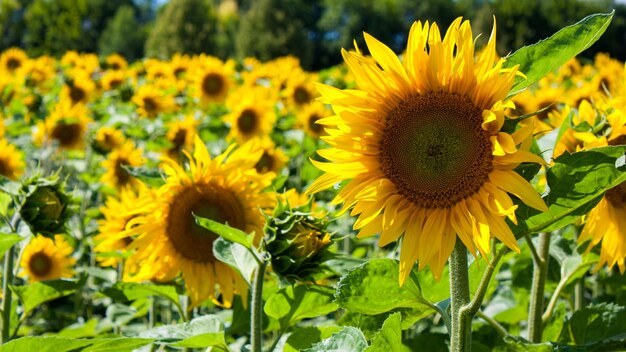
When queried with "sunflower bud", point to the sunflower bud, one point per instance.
{"points": [[45, 206], [297, 242]]}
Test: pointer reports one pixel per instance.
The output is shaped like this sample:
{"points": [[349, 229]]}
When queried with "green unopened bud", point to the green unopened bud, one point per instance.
{"points": [[45, 206], [297, 242]]}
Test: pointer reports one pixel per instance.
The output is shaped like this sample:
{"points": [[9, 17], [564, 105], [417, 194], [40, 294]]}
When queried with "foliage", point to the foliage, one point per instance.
{"points": [[123, 35]]}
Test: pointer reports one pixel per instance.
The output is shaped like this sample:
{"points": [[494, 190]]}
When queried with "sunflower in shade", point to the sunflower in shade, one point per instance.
{"points": [[225, 189], [251, 114], [421, 145], [151, 101], [116, 175], [11, 160], [47, 259], [66, 126], [309, 116]]}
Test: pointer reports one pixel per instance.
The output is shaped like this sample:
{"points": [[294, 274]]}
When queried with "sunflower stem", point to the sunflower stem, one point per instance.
{"points": [[256, 309], [7, 298], [460, 334], [537, 290]]}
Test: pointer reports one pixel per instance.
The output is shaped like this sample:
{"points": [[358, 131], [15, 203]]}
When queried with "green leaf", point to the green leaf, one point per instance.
{"points": [[294, 303], [5, 201], [130, 291], [237, 256], [594, 323], [121, 344], [545, 56], [304, 337], [517, 344], [577, 183], [40, 292], [199, 332], [374, 288], [389, 339], [211, 339], [78, 330], [7, 241], [44, 344], [348, 339], [230, 233]]}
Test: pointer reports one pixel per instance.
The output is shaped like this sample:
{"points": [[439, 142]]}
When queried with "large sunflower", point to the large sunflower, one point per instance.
{"points": [[11, 160], [45, 259], [226, 189], [422, 147]]}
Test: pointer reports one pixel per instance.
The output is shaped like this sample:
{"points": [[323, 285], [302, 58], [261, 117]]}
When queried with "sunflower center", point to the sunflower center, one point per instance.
{"points": [[617, 195], [247, 121], [179, 139], [434, 149], [13, 64], [212, 84], [150, 105], [40, 264], [265, 163], [5, 168], [191, 240], [66, 133], [301, 95], [122, 175], [313, 126], [77, 94]]}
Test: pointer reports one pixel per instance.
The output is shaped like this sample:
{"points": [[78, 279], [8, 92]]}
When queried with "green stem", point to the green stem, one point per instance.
{"points": [[8, 294], [540, 271], [579, 294], [461, 333], [256, 309], [472, 308]]}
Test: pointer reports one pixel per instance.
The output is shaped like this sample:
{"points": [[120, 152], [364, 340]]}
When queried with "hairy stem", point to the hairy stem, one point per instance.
{"points": [[461, 333], [8, 294], [256, 309], [540, 270]]}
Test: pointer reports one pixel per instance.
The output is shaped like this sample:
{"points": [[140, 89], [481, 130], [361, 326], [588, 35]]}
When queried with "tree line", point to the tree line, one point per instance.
{"points": [[312, 30]]}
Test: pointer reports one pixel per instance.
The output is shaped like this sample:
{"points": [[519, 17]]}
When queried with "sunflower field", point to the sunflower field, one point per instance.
{"points": [[443, 199]]}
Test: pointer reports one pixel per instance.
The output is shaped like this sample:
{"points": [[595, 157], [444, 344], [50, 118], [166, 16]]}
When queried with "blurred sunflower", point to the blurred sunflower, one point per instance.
{"points": [[116, 175], [251, 114], [107, 139], [11, 160], [66, 125], [422, 147], [308, 117], [300, 90], [78, 89], [40, 72], [180, 135], [113, 235], [151, 101], [45, 259], [225, 189], [116, 62], [180, 65], [272, 160], [12, 60], [212, 79], [112, 80]]}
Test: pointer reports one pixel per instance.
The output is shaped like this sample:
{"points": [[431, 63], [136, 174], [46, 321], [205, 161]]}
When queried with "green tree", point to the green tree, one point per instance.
{"points": [[123, 35], [273, 28], [183, 26], [12, 24]]}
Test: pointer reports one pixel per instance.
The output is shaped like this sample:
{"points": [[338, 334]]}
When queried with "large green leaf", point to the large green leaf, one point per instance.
{"points": [[374, 288], [348, 339], [130, 291], [577, 182], [7, 241], [202, 332], [230, 233], [40, 292], [389, 339], [305, 336], [594, 324], [237, 256], [44, 344], [545, 56], [294, 303], [120, 344]]}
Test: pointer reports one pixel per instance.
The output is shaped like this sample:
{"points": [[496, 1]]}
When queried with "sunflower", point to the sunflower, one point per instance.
{"points": [[252, 114], [212, 79], [45, 259], [308, 117], [226, 189], [40, 72], [272, 160], [113, 235], [13, 60], [79, 88], [180, 135], [151, 101], [112, 80], [11, 160], [66, 125], [299, 89], [422, 147], [107, 139], [116, 62], [116, 175]]}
